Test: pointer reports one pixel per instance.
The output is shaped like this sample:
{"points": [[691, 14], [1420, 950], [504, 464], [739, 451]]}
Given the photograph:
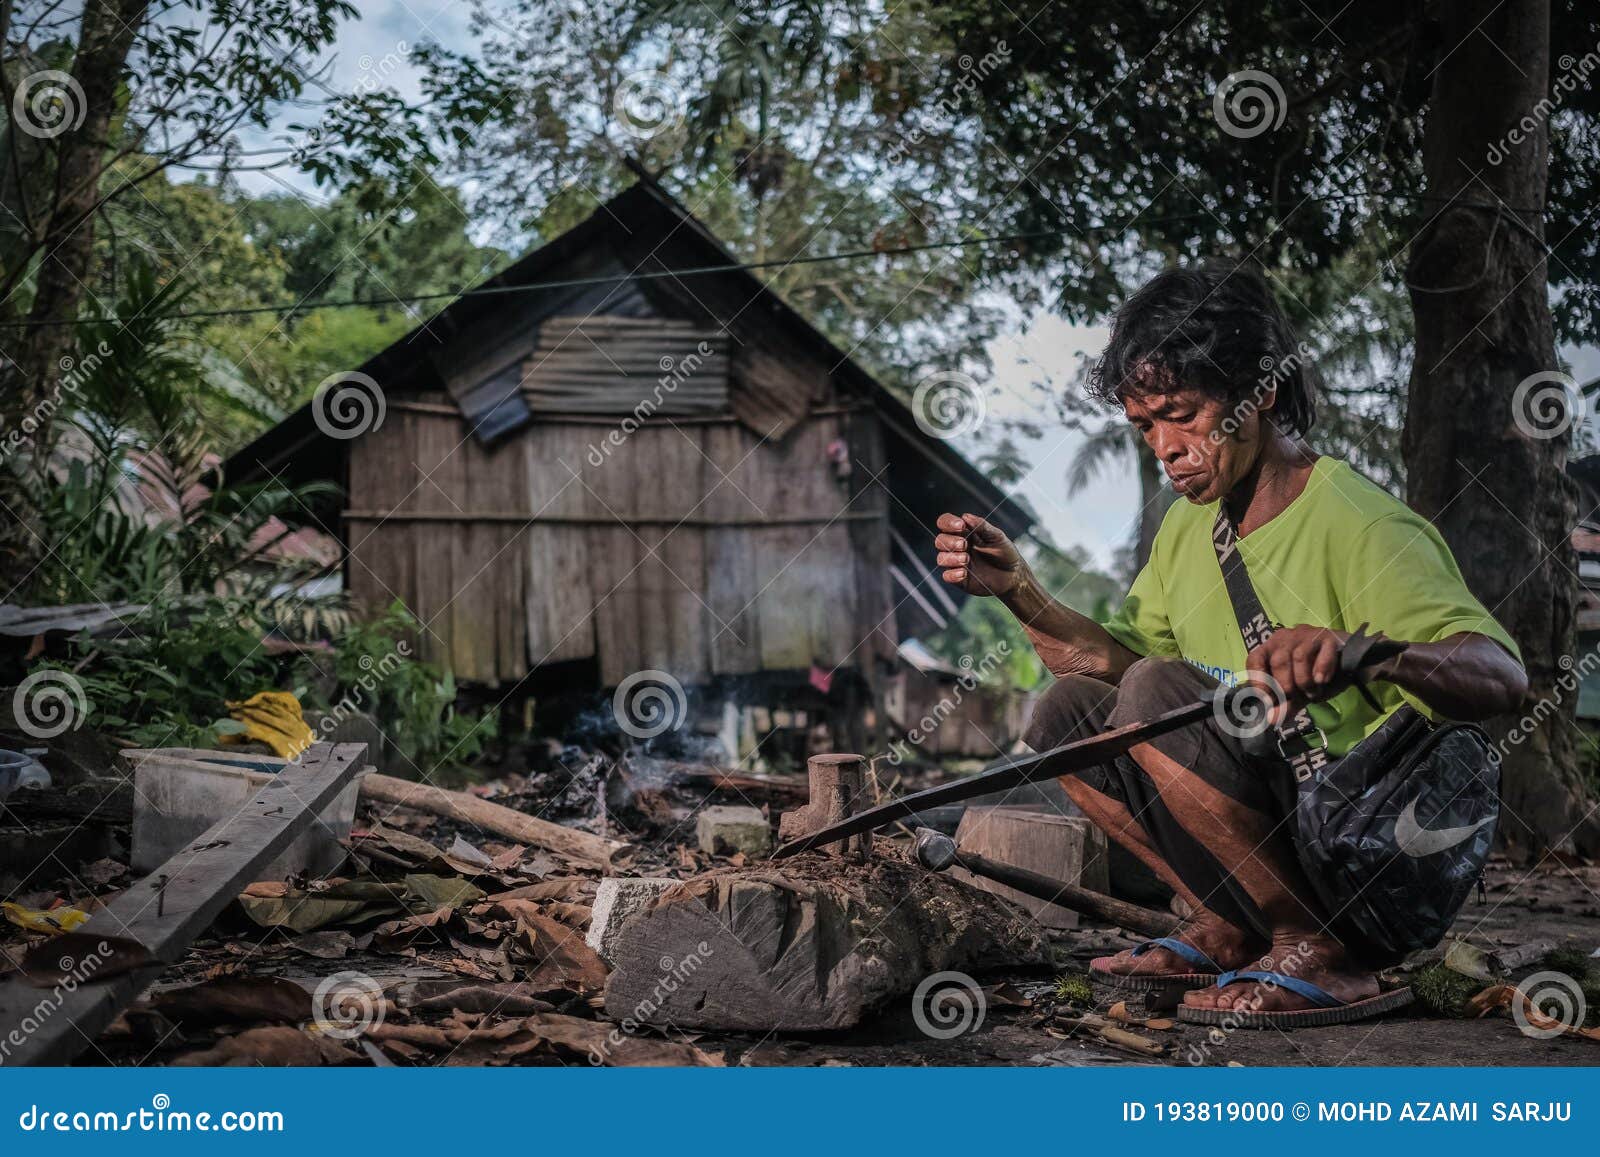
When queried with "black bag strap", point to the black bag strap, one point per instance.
{"points": [[1294, 740]]}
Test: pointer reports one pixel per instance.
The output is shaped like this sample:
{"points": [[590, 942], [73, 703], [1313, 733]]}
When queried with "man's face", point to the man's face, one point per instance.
{"points": [[1204, 444]]}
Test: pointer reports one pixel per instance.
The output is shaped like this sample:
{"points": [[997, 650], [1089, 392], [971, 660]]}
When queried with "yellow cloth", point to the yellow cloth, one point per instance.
{"points": [[273, 718]]}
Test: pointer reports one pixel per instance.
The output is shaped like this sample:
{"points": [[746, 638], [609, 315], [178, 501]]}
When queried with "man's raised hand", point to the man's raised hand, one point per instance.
{"points": [[977, 556]]}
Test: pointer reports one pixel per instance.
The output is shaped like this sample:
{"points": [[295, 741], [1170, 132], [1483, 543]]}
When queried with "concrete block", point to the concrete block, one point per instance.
{"points": [[724, 830], [618, 900]]}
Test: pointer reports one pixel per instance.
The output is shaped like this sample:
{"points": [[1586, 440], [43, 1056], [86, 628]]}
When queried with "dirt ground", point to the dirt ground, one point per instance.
{"points": [[1021, 1022], [1555, 903]]}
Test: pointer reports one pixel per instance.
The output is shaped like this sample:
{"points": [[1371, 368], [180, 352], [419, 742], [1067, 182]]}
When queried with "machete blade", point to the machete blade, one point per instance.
{"points": [[1063, 760], [1241, 704]]}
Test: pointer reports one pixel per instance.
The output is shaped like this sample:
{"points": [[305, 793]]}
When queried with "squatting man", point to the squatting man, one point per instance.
{"points": [[1326, 551]]}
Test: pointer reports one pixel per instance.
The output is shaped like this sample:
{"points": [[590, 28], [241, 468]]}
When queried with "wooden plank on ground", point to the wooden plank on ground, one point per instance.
{"points": [[199, 882]]}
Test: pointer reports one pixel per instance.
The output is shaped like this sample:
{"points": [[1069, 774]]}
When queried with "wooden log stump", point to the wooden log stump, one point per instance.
{"points": [[809, 943], [838, 791]]}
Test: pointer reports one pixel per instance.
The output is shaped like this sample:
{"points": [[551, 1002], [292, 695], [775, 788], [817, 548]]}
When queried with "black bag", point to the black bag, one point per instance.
{"points": [[1394, 834]]}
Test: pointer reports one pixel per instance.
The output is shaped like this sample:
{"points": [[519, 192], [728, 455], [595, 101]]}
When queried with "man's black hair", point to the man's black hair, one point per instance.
{"points": [[1212, 326]]}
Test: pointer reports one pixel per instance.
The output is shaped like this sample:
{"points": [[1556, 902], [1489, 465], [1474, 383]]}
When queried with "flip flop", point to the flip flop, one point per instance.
{"points": [[1330, 1009], [1162, 988]]}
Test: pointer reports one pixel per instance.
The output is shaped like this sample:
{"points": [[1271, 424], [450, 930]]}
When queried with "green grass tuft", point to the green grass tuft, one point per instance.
{"points": [[1073, 988], [1442, 991], [1573, 959]]}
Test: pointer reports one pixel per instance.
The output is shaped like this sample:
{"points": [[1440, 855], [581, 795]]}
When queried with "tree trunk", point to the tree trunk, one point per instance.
{"points": [[106, 35], [1498, 494], [31, 379]]}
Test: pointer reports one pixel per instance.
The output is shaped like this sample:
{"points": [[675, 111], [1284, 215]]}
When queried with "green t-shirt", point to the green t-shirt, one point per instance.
{"points": [[1345, 552]]}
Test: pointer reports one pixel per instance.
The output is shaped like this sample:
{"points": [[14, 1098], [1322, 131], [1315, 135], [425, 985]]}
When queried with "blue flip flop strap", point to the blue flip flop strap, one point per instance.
{"points": [[1188, 951], [1317, 996]]}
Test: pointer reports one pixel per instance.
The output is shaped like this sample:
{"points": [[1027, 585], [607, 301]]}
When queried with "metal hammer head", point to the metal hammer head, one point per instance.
{"points": [[935, 850]]}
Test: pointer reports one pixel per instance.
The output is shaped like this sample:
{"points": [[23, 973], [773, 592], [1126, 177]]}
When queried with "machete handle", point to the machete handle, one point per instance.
{"points": [[1360, 653]]}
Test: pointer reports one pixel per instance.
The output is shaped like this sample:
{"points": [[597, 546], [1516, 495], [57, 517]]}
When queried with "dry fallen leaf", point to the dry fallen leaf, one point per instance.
{"points": [[560, 888], [1006, 995], [236, 999], [1119, 1012], [274, 1046], [576, 916], [83, 957], [329, 944], [560, 956], [1510, 996], [514, 999], [549, 1036], [406, 1052], [508, 859], [102, 872], [427, 928]]}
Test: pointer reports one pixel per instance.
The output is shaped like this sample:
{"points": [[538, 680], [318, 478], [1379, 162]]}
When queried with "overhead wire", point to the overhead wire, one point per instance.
{"points": [[304, 306]]}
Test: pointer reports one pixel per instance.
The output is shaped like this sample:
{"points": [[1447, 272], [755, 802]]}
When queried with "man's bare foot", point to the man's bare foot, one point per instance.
{"points": [[1228, 945], [1319, 959]]}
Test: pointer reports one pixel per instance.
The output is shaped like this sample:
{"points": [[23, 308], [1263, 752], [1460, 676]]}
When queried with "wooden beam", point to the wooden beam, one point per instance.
{"points": [[457, 805], [166, 910], [491, 817]]}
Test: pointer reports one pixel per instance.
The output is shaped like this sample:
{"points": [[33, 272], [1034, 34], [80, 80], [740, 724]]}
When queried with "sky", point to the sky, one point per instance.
{"points": [[1101, 518]]}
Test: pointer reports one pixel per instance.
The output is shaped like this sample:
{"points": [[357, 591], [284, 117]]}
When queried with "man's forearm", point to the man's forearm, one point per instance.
{"points": [[1463, 677], [1066, 642]]}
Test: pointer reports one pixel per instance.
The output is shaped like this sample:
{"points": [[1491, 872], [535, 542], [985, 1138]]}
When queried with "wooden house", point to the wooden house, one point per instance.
{"points": [[629, 455]]}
